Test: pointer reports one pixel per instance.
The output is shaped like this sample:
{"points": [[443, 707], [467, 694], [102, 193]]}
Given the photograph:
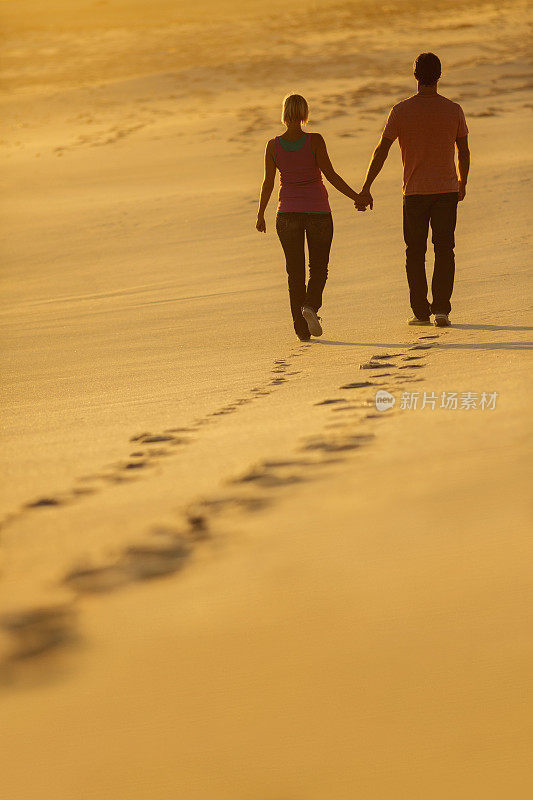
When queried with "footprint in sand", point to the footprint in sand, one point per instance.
{"points": [[44, 502], [198, 525], [148, 438], [274, 473], [39, 630], [136, 563], [331, 402], [266, 477], [337, 445], [144, 459], [374, 365], [218, 505], [96, 580], [115, 478], [229, 409], [288, 462], [146, 561], [357, 385]]}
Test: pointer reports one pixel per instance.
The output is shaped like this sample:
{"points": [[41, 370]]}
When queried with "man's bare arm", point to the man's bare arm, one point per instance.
{"points": [[379, 157], [463, 158]]}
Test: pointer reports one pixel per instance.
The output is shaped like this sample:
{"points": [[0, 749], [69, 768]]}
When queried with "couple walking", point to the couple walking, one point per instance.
{"points": [[428, 127]]}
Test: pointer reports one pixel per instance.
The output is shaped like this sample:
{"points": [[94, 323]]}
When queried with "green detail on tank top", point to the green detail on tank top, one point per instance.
{"points": [[291, 147]]}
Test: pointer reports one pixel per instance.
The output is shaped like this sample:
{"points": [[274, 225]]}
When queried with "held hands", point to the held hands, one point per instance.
{"points": [[364, 199], [261, 224]]}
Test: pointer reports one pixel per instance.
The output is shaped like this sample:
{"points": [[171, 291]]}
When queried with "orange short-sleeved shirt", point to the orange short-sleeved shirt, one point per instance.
{"points": [[426, 126]]}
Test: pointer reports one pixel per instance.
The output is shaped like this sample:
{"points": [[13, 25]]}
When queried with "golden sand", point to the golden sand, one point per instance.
{"points": [[225, 575]]}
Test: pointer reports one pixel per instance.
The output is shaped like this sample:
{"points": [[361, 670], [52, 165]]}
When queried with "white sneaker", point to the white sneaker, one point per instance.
{"points": [[442, 321], [313, 321]]}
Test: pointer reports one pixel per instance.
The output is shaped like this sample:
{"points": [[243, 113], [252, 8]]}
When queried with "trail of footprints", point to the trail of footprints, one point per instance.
{"points": [[150, 448], [169, 548]]}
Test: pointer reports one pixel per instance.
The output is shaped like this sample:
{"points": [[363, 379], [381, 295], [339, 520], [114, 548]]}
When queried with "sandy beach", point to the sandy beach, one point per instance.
{"points": [[225, 574]]}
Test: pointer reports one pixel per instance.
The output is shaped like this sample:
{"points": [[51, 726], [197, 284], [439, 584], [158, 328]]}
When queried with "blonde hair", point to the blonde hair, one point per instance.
{"points": [[294, 109]]}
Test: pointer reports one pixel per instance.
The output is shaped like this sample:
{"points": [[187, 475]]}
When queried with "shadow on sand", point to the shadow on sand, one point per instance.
{"points": [[465, 327], [448, 345]]}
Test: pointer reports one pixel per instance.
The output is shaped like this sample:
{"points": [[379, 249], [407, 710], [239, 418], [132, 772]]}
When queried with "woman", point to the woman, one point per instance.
{"points": [[303, 210]]}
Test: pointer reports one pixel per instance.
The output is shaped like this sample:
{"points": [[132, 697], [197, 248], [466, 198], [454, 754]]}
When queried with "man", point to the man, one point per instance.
{"points": [[428, 127]]}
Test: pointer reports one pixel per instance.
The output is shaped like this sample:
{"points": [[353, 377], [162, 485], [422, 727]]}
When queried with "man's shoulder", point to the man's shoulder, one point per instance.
{"points": [[403, 105], [451, 103], [412, 103], [397, 106]]}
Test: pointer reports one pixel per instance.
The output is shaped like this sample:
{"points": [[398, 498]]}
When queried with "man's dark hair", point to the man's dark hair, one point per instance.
{"points": [[427, 69]]}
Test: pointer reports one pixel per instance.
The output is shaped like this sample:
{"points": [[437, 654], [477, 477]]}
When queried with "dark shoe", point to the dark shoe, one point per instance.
{"points": [[442, 321], [301, 330], [417, 321], [313, 321]]}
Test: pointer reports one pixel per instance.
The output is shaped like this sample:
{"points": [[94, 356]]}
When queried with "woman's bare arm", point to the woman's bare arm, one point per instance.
{"points": [[267, 187], [326, 168]]}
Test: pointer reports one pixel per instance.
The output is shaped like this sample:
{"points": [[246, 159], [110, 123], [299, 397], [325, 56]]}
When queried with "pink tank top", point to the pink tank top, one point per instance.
{"points": [[301, 187]]}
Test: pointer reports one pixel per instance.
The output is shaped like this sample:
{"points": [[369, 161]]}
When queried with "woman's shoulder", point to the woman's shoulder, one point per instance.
{"points": [[316, 140]]}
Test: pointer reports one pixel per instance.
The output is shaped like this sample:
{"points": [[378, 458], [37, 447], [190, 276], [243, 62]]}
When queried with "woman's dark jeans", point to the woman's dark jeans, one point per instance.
{"points": [[419, 211], [292, 228]]}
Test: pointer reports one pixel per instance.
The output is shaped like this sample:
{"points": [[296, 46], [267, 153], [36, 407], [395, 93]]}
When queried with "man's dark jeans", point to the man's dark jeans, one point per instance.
{"points": [[292, 228], [419, 211]]}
